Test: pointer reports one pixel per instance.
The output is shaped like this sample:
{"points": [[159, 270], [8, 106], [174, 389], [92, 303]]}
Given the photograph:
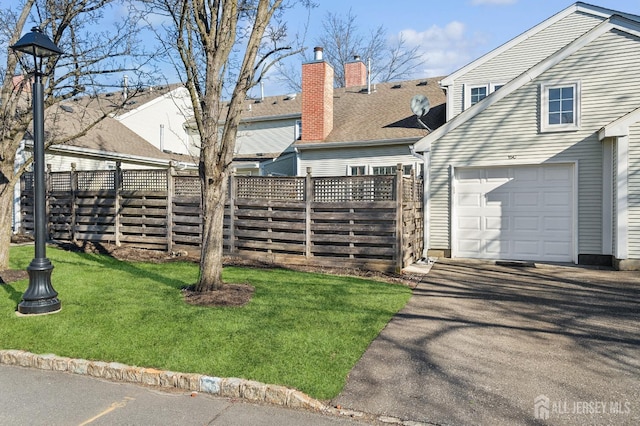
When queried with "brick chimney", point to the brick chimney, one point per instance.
{"points": [[317, 98], [355, 73]]}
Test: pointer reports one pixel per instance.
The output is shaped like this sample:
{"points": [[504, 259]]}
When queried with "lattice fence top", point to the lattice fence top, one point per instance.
{"points": [[144, 180], [27, 179], [354, 188], [271, 188], [412, 189], [92, 180], [187, 185], [60, 181]]}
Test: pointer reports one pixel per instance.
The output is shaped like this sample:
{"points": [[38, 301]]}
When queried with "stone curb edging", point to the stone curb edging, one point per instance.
{"points": [[249, 390], [224, 387]]}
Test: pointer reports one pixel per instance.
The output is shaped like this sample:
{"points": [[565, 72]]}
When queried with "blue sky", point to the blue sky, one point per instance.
{"points": [[450, 33]]}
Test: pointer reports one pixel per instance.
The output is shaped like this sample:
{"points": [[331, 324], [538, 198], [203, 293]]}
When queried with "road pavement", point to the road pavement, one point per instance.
{"points": [[38, 397]]}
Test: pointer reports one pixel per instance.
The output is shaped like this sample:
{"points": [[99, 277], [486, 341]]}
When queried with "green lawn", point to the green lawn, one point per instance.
{"points": [[301, 330]]}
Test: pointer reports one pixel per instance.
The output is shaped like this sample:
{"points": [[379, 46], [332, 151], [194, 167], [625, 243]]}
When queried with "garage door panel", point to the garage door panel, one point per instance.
{"points": [[522, 212]]}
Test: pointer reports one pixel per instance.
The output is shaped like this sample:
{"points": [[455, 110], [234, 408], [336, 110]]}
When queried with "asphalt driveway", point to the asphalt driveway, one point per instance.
{"points": [[485, 344]]}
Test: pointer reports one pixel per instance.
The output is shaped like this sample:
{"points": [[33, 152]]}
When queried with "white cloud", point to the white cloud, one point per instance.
{"points": [[443, 49]]}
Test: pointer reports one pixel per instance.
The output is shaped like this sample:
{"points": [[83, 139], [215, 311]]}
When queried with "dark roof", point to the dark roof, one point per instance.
{"points": [[68, 119], [383, 114]]}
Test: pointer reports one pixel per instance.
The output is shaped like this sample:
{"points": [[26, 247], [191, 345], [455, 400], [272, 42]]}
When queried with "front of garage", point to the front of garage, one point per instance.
{"points": [[524, 212]]}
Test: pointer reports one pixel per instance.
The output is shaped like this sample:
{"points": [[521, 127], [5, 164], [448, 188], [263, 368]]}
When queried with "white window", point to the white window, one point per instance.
{"points": [[559, 107], [477, 94], [474, 93], [357, 170]]}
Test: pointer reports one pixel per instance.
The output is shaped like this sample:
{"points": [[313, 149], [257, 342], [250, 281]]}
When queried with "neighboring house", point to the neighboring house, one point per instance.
{"points": [[547, 168], [358, 129], [362, 128], [159, 115]]}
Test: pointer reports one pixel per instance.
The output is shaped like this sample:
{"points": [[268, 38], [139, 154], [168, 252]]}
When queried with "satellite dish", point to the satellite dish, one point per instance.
{"points": [[420, 105]]}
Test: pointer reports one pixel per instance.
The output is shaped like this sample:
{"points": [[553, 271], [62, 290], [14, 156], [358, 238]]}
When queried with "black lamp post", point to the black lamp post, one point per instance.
{"points": [[40, 297]]}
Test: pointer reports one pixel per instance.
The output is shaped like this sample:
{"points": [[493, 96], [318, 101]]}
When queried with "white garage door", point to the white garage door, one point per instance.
{"points": [[514, 213]]}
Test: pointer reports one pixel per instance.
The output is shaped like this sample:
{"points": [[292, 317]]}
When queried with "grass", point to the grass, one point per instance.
{"points": [[302, 330]]}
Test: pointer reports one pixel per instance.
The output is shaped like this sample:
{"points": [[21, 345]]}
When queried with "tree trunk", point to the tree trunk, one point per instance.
{"points": [[213, 200], [6, 210]]}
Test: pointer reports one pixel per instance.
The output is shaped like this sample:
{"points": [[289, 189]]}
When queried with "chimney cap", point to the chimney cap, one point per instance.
{"points": [[317, 53]]}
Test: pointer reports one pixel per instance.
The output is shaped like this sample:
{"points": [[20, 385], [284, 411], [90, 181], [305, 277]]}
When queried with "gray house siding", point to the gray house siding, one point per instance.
{"points": [[335, 162], [268, 137], [507, 133], [523, 56]]}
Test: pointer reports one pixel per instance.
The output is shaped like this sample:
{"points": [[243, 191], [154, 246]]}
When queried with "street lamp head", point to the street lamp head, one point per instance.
{"points": [[37, 44]]}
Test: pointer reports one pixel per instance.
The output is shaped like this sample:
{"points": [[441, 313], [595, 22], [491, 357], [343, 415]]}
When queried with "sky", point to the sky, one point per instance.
{"points": [[449, 33]]}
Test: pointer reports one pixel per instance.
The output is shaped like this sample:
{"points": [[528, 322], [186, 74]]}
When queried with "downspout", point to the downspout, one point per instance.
{"points": [[426, 161]]}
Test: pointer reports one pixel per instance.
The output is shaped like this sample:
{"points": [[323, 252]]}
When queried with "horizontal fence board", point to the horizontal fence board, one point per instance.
{"points": [[277, 214], [260, 245], [139, 211], [280, 236], [150, 221], [276, 224], [143, 231], [359, 251], [363, 216], [354, 239]]}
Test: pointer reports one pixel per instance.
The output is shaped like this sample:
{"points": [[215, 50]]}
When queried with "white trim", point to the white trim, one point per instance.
{"points": [[545, 87], [467, 93], [607, 196], [350, 166], [622, 200], [356, 144]]}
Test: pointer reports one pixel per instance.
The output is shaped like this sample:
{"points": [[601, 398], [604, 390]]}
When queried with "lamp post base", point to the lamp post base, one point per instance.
{"points": [[40, 297]]}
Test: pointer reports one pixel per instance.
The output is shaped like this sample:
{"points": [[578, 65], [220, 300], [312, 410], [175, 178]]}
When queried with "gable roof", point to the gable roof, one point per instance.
{"points": [[615, 21], [576, 7], [107, 140]]}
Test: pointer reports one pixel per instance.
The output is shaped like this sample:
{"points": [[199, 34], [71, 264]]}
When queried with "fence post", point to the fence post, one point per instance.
{"points": [[308, 197], [170, 194], [117, 183], [48, 200], [232, 202], [74, 202], [399, 220]]}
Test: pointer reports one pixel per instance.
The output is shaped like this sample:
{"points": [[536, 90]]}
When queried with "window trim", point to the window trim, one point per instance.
{"points": [[467, 93], [490, 87], [545, 127], [350, 168]]}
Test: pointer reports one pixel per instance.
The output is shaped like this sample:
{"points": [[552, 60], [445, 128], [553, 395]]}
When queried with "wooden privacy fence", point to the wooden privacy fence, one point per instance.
{"points": [[369, 222]]}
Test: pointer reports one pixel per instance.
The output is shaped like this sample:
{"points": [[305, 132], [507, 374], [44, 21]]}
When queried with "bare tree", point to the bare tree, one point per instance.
{"points": [[342, 40], [93, 52], [226, 47]]}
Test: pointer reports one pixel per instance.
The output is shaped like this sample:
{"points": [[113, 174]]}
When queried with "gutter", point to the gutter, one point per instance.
{"points": [[351, 144], [426, 196]]}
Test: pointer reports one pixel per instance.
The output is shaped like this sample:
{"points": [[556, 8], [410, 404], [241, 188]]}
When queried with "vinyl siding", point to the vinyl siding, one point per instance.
{"points": [[634, 192], [283, 166], [268, 137], [507, 133], [171, 111], [529, 52], [334, 162]]}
